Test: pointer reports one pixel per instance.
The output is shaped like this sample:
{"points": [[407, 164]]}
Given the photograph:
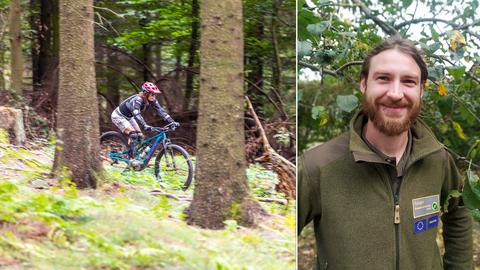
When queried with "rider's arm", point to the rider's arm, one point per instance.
{"points": [[161, 111], [137, 105]]}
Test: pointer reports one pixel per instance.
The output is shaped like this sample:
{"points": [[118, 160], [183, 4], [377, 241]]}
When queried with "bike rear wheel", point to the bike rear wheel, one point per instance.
{"points": [[114, 146], [174, 164]]}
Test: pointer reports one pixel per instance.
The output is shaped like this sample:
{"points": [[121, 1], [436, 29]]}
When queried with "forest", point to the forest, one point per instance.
{"points": [[333, 39], [217, 193]]}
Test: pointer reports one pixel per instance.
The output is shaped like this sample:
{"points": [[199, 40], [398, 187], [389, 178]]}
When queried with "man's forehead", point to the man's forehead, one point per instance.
{"points": [[394, 61]]}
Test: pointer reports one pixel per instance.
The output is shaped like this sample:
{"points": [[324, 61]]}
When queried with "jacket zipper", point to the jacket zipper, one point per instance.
{"points": [[396, 218], [396, 221]]}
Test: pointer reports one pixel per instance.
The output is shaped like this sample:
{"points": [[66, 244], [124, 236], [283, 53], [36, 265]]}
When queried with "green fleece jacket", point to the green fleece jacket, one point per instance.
{"points": [[359, 223]]}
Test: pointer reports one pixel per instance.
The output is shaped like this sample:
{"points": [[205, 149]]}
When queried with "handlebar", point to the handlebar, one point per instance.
{"points": [[167, 128]]}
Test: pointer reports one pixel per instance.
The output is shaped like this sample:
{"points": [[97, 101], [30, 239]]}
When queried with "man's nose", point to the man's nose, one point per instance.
{"points": [[396, 91]]}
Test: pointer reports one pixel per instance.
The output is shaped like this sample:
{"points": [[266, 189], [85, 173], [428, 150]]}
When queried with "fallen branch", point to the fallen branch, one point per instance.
{"points": [[275, 200], [283, 167], [157, 192]]}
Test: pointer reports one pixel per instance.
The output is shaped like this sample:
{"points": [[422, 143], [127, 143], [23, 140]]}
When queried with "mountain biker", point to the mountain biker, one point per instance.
{"points": [[128, 113]]}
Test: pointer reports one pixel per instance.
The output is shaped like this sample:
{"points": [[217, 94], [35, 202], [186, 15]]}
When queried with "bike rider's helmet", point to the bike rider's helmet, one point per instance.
{"points": [[150, 88]]}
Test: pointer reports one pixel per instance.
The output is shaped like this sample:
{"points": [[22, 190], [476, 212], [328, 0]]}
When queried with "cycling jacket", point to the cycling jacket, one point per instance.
{"points": [[132, 106]]}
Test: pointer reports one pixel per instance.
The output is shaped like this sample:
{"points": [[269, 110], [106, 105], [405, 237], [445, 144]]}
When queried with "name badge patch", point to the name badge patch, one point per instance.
{"points": [[420, 225], [426, 206], [432, 222]]}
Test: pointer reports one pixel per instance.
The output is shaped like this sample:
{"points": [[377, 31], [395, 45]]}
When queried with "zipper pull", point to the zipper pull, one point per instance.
{"points": [[396, 219]]}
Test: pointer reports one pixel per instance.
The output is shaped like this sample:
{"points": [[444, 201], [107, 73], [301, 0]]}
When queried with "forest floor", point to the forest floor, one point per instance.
{"points": [[49, 224]]}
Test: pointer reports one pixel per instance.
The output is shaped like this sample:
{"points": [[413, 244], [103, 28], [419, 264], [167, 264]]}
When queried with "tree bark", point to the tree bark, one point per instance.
{"points": [[35, 34], [192, 52], [2, 63], [158, 60], [277, 61], [146, 59], [16, 47], [255, 61], [3, 47], [45, 78], [221, 190], [113, 83], [77, 120]]}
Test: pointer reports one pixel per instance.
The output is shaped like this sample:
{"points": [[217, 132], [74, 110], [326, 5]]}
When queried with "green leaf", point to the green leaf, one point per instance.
{"points": [[304, 48], [470, 192], [434, 33], [459, 130], [348, 34], [318, 28], [456, 72], [476, 215], [436, 73], [452, 194], [406, 3], [458, 54], [317, 111], [474, 181], [445, 104], [434, 47], [305, 18], [347, 103]]}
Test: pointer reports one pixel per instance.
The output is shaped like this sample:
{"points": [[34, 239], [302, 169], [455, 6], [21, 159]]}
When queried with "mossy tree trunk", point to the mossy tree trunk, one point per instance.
{"points": [[16, 46], [77, 119], [221, 190]]}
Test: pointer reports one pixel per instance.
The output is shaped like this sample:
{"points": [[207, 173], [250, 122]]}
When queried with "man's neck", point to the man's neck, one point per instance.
{"points": [[392, 146]]}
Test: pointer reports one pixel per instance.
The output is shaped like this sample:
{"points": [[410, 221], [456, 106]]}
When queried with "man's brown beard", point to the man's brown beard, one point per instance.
{"points": [[387, 126]]}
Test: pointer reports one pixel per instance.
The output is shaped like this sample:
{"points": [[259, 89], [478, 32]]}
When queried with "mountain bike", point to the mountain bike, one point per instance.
{"points": [[172, 161]]}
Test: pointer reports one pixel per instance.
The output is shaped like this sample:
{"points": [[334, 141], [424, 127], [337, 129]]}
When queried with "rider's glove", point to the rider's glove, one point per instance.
{"points": [[147, 128], [175, 124]]}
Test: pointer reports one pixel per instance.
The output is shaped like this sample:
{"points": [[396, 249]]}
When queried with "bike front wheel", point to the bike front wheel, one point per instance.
{"points": [[173, 164]]}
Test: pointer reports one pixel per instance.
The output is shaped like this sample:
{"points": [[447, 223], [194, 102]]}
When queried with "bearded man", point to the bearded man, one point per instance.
{"points": [[376, 192]]}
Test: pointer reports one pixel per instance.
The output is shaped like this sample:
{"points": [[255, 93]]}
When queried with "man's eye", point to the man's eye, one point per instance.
{"points": [[410, 82], [382, 78]]}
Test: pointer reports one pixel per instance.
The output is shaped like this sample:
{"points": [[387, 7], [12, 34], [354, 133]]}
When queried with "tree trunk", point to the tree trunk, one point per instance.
{"points": [[2, 63], [45, 82], [191, 55], [158, 61], [255, 61], [221, 190], [178, 66], [113, 83], [277, 61], [16, 47], [77, 120], [35, 34], [146, 60]]}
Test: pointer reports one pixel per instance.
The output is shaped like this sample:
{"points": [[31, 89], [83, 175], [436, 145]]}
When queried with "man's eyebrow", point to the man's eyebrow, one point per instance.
{"points": [[380, 73], [410, 76]]}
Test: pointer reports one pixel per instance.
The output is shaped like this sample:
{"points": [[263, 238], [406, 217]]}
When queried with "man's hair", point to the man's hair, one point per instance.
{"points": [[402, 45]]}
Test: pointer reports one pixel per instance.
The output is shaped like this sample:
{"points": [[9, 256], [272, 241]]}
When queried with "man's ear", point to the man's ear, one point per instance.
{"points": [[363, 85]]}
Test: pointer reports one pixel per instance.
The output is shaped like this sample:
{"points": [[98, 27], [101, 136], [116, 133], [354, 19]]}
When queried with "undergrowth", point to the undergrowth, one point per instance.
{"points": [[122, 226]]}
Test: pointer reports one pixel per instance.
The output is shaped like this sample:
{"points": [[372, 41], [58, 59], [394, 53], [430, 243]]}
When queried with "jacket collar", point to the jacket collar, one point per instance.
{"points": [[424, 142]]}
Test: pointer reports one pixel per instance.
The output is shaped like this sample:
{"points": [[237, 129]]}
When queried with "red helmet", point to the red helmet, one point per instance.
{"points": [[150, 88]]}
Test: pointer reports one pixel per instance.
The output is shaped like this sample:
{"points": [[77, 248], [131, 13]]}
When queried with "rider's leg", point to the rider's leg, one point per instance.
{"points": [[132, 136], [125, 125], [134, 133]]}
